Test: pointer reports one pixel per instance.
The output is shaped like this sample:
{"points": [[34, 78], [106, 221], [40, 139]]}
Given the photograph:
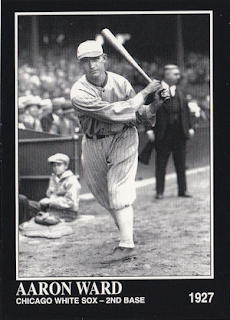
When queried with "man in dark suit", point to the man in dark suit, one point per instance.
{"points": [[172, 129]]}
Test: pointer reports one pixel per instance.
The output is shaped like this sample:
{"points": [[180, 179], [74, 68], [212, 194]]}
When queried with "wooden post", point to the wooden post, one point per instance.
{"points": [[34, 41], [180, 44]]}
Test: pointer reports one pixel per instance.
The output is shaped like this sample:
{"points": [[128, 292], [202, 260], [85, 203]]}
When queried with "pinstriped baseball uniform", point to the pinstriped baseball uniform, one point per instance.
{"points": [[110, 163]]}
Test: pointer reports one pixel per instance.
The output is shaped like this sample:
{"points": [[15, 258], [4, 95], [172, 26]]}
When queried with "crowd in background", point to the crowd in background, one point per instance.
{"points": [[55, 116], [44, 90]]}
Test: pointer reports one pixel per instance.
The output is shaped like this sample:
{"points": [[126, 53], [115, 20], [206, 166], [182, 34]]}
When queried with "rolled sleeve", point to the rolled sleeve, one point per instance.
{"points": [[120, 111]]}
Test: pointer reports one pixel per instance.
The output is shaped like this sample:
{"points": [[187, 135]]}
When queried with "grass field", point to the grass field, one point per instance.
{"points": [[172, 238]]}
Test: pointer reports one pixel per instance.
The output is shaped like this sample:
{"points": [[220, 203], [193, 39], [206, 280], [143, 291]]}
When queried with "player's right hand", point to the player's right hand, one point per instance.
{"points": [[153, 86]]}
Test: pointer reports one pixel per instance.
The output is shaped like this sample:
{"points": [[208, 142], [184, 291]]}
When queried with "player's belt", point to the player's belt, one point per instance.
{"points": [[96, 136]]}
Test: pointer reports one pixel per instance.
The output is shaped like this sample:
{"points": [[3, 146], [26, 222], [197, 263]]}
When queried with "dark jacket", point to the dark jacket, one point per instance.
{"points": [[46, 122], [162, 118]]}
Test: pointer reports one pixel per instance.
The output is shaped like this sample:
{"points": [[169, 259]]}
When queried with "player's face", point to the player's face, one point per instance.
{"points": [[173, 76], [94, 68], [59, 168]]}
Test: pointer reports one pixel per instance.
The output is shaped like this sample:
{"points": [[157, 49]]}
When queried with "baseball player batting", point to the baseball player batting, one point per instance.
{"points": [[108, 110]]}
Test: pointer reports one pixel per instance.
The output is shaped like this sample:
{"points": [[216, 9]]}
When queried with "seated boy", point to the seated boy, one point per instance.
{"points": [[62, 195]]}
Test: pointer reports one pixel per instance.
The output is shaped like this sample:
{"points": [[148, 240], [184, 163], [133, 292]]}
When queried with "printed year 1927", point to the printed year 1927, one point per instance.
{"points": [[204, 297]]}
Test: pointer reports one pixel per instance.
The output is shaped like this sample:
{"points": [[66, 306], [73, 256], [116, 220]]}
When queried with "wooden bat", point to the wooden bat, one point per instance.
{"points": [[125, 54]]}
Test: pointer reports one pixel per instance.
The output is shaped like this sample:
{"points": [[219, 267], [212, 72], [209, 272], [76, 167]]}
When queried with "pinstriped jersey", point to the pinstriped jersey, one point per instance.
{"points": [[106, 110]]}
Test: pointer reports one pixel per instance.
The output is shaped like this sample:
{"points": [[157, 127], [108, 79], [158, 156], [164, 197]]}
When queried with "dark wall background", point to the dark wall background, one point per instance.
{"points": [[151, 35], [156, 40]]}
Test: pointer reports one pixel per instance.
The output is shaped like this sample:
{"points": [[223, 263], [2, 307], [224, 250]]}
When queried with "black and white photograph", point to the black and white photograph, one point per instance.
{"points": [[115, 180]]}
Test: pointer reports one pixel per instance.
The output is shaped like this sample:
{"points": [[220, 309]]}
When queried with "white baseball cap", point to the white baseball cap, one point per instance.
{"points": [[89, 49], [59, 158]]}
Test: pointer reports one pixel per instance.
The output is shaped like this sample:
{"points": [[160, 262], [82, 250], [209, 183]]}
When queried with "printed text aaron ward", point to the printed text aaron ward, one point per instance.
{"points": [[55, 288]]}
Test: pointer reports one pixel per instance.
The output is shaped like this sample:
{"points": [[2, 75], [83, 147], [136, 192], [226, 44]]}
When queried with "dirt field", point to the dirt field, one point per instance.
{"points": [[172, 238]]}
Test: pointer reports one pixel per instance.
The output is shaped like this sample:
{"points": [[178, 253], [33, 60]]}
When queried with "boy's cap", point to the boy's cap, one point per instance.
{"points": [[89, 49], [59, 158]]}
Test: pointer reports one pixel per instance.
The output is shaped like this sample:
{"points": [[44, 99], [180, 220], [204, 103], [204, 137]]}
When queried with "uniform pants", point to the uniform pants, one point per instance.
{"points": [[173, 142], [110, 166]]}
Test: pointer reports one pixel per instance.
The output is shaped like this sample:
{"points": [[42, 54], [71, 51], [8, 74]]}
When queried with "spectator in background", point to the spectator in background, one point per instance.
{"points": [[47, 118], [32, 113], [56, 93], [60, 70], [21, 119], [66, 93], [54, 74], [60, 124], [21, 112], [70, 118], [57, 117], [45, 95], [173, 128], [57, 111]]}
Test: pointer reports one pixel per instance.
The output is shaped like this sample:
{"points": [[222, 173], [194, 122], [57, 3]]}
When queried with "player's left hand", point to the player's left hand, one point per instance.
{"points": [[191, 133], [160, 93], [149, 99]]}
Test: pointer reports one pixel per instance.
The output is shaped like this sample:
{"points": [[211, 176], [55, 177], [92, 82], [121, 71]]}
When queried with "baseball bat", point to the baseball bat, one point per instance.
{"points": [[125, 54]]}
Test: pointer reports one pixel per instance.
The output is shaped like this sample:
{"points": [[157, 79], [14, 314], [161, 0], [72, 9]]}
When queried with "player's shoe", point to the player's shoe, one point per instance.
{"points": [[120, 254]]}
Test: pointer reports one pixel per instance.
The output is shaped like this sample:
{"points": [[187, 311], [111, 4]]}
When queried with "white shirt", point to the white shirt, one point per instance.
{"points": [[172, 89]]}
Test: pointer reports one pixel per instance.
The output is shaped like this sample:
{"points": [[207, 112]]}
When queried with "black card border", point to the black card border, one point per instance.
{"points": [[168, 299]]}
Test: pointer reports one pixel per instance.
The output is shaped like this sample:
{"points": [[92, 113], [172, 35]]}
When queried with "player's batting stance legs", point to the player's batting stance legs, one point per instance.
{"points": [[110, 174]]}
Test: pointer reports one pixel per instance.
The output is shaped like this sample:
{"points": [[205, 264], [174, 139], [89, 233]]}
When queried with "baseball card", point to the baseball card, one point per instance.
{"points": [[115, 160]]}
